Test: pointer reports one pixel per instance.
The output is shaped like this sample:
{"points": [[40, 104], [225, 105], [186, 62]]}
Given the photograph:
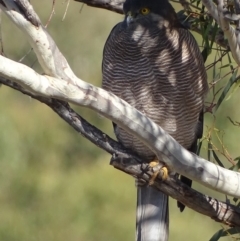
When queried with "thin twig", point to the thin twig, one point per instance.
{"points": [[51, 14]]}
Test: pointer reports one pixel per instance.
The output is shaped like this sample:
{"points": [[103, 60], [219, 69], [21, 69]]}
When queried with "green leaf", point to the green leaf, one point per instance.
{"points": [[217, 235], [235, 200], [214, 33], [232, 231], [217, 159], [235, 87], [199, 148], [230, 61], [216, 74], [237, 166], [223, 233], [206, 28], [226, 65], [226, 89], [237, 158], [209, 150], [205, 53], [198, 2]]}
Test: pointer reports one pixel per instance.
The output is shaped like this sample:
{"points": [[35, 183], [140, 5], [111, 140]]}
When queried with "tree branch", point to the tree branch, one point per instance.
{"points": [[217, 12], [229, 32], [117, 6], [67, 87], [112, 5], [133, 165]]}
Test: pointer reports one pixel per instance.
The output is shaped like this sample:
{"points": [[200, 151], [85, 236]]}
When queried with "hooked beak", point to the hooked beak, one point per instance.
{"points": [[130, 17]]}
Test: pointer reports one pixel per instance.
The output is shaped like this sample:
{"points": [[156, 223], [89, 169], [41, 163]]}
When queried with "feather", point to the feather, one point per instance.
{"points": [[154, 64], [152, 215]]}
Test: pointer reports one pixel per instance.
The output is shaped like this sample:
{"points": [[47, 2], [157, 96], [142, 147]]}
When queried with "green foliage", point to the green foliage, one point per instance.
{"points": [[224, 233]]}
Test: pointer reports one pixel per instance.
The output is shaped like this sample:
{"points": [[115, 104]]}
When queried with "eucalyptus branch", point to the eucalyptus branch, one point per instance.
{"points": [[129, 163], [61, 83], [218, 13], [229, 32], [112, 5]]}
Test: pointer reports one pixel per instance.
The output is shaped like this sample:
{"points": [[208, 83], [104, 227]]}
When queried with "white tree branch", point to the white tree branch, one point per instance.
{"points": [[61, 83], [128, 162], [217, 12]]}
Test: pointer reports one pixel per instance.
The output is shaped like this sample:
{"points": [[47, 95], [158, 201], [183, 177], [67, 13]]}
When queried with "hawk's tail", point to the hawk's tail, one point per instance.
{"points": [[152, 222]]}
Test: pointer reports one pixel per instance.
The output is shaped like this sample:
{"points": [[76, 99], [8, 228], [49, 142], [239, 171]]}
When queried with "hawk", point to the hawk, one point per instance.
{"points": [[152, 61]]}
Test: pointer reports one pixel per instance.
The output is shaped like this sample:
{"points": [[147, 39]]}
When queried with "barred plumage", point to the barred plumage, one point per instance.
{"points": [[159, 72], [154, 64]]}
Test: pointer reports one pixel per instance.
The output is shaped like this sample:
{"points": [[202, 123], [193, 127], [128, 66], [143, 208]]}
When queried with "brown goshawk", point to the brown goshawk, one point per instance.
{"points": [[151, 61]]}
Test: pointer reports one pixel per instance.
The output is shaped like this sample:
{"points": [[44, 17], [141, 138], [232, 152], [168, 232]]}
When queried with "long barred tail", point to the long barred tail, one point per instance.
{"points": [[152, 223]]}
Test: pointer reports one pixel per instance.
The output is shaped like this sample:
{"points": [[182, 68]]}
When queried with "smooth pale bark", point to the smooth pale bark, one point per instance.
{"points": [[61, 83], [125, 161]]}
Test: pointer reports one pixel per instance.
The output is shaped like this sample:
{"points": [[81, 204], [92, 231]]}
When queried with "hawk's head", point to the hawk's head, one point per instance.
{"points": [[149, 11]]}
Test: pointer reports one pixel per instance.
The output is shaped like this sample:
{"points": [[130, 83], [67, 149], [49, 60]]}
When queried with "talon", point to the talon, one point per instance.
{"points": [[154, 163], [163, 170], [153, 177]]}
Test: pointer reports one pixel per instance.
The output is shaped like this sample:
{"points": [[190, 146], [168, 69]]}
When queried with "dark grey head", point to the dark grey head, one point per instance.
{"points": [[141, 10]]}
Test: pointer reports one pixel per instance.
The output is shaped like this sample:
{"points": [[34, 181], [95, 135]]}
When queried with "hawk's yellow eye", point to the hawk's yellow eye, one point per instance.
{"points": [[145, 11]]}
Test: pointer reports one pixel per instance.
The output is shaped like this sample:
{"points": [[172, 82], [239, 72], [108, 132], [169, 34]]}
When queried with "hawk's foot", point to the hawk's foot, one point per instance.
{"points": [[163, 171]]}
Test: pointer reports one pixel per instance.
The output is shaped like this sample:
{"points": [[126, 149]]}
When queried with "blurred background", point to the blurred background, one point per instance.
{"points": [[54, 184]]}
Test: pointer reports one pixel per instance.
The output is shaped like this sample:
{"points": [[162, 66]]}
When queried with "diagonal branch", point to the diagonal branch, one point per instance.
{"points": [[131, 164], [112, 5], [229, 32], [217, 12], [67, 87]]}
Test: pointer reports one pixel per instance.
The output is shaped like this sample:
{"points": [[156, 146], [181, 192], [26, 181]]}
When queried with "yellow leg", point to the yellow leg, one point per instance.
{"points": [[163, 170]]}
